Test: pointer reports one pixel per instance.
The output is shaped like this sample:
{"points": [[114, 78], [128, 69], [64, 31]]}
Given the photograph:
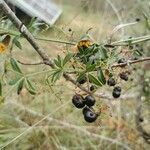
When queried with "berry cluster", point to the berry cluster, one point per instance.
{"points": [[111, 81], [86, 105]]}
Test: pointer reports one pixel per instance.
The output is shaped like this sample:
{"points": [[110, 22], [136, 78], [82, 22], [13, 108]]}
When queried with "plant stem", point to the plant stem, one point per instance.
{"points": [[131, 62]]}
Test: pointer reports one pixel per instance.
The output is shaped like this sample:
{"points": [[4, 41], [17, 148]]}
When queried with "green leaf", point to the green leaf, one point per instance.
{"points": [[30, 84], [93, 80], [103, 53], [20, 86], [56, 75], [14, 65], [31, 22], [58, 62], [30, 88], [14, 81], [0, 88], [90, 67], [31, 91], [81, 76], [101, 76], [67, 58], [17, 42]]}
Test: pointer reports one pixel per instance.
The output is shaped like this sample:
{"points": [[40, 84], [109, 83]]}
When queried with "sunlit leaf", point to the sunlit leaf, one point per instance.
{"points": [[67, 58], [93, 80], [14, 65], [30, 84], [14, 81], [81, 76], [20, 86], [17, 42], [101, 76], [90, 67], [56, 75], [29, 87]]}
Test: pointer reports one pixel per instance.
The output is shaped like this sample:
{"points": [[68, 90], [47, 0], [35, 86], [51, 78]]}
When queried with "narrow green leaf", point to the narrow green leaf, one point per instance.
{"points": [[14, 65], [17, 42], [90, 67], [60, 61], [101, 76], [103, 53], [93, 80], [14, 81], [30, 88], [57, 63], [67, 58], [31, 22], [30, 84], [20, 86], [31, 91], [56, 75], [81, 76]]}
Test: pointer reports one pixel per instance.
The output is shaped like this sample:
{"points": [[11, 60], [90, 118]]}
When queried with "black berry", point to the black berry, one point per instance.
{"points": [[92, 88], [78, 101], [85, 109], [111, 82], [90, 116], [116, 92], [69, 29], [117, 88], [121, 60], [137, 19], [141, 119], [123, 76], [89, 100]]}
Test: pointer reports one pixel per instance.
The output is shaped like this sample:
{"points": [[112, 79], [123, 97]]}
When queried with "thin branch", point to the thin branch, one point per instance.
{"points": [[131, 62], [23, 63], [55, 41], [131, 41]]}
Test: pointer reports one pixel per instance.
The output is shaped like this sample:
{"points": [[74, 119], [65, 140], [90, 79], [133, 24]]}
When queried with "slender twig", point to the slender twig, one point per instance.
{"points": [[23, 63], [131, 62], [55, 41], [131, 41]]}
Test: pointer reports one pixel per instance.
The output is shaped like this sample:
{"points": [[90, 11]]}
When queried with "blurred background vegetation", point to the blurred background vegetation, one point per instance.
{"points": [[64, 127]]}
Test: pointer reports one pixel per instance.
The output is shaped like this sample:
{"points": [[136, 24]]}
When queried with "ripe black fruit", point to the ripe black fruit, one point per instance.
{"points": [[92, 88], [111, 82], [69, 29], [90, 116], [85, 109], [123, 76], [121, 60], [78, 101], [89, 100], [117, 88], [116, 92], [137, 19]]}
